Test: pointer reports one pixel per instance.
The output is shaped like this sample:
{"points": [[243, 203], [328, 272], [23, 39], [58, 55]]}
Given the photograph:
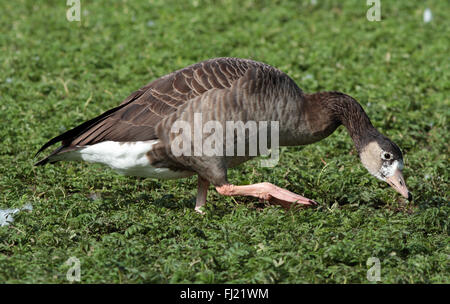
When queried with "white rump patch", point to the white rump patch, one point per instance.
{"points": [[127, 158]]}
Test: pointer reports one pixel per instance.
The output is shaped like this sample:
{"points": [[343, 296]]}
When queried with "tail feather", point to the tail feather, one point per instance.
{"points": [[67, 137], [58, 151], [42, 162]]}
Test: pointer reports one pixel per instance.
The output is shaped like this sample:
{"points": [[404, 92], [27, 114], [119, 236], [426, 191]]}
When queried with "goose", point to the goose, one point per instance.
{"points": [[137, 137]]}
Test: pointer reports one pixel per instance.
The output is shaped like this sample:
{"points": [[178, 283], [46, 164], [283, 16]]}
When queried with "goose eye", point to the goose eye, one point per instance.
{"points": [[386, 156]]}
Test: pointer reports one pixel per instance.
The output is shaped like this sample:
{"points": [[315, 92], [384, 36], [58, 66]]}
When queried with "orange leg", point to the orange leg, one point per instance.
{"points": [[268, 192]]}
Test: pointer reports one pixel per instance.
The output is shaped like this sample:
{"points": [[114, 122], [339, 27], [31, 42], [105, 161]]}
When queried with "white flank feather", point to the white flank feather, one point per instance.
{"points": [[127, 158]]}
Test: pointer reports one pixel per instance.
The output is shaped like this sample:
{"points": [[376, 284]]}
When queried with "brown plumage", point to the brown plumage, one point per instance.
{"points": [[227, 89]]}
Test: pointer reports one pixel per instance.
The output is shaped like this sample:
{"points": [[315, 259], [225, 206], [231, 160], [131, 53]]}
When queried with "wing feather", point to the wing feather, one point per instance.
{"points": [[136, 118]]}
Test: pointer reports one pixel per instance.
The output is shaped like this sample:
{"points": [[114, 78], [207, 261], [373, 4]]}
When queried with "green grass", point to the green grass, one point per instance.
{"points": [[57, 74]]}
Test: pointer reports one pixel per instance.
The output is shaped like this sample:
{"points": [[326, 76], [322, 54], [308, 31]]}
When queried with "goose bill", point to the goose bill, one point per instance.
{"points": [[397, 182]]}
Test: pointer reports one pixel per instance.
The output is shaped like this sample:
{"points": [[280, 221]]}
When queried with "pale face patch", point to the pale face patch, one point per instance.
{"points": [[125, 158], [370, 158], [375, 161]]}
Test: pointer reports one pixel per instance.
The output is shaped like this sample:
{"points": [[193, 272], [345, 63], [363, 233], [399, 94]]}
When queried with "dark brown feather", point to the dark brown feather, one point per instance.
{"points": [[136, 117]]}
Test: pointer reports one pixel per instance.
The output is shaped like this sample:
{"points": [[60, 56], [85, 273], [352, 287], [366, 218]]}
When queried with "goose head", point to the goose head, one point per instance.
{"points": [[384, 160]]}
